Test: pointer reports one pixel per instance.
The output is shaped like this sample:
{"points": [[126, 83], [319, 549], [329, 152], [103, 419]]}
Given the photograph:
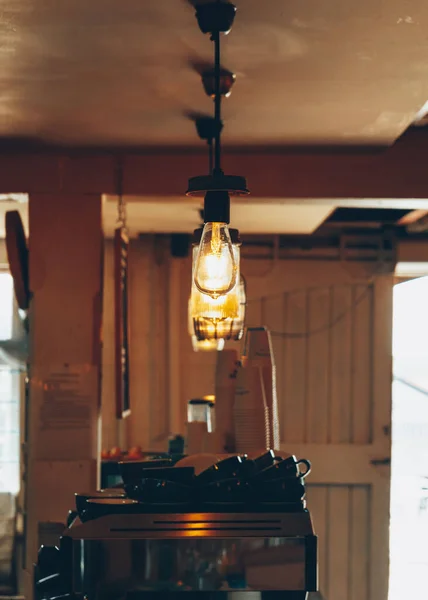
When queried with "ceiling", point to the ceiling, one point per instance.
{"points": [[252, 216], [110, 73], [259, 216], [182, 215]]}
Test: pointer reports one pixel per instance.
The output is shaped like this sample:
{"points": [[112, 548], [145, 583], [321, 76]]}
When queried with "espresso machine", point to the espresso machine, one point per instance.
{"points": [[236, 528], [122, 556]]}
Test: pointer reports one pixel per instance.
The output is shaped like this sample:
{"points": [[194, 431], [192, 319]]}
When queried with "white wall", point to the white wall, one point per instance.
{"points": [[322, 371], [151, 332], [164, 371]]}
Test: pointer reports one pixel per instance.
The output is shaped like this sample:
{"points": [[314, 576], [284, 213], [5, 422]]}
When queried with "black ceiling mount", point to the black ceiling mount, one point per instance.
{"points": [[234, 184], [217, 207], [215, 17], [227, 79], [207, 127]]}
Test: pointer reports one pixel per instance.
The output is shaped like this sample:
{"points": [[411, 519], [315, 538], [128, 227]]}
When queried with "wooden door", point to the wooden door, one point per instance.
{"points": [[331, 332], [333, 381]]}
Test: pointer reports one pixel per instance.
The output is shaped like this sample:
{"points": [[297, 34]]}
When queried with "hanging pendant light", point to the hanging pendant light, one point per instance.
{"points": [[204, 305], [216, 272], [223, 317]]}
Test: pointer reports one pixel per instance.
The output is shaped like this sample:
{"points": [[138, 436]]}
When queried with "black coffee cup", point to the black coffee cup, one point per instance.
{"points": [[160, 491], [98, 507], [288, 467], [81, 498], [266, 460], [289, 490], [183, 475], [234, 467], [48, 560], [131, 470], [227, 491]]}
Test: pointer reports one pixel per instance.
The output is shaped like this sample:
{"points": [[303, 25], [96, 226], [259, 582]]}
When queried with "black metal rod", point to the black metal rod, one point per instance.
{"points": [[217, 101], [210, 156]]}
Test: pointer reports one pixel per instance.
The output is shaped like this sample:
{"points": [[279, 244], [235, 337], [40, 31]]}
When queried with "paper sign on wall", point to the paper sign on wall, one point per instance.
{"points": [[66, 399]]}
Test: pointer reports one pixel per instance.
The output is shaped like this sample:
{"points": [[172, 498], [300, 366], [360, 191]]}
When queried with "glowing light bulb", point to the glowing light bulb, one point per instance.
{"points": [[223, 307], [216, 269]]}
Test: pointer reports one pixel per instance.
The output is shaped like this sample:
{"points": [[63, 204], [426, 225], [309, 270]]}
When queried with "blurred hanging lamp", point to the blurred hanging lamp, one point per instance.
{"points": [[204, 345], [232, 328], [216, 272]]}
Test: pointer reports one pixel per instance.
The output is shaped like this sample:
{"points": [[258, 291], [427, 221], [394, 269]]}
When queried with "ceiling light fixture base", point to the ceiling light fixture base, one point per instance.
{"points": [[227, 79], [235, 185], [215, 17], [207, 127], [217, 207]]}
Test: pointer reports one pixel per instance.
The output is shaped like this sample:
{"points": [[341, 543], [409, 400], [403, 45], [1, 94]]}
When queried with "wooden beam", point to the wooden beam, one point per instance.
{"points": [[397, 172]]}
